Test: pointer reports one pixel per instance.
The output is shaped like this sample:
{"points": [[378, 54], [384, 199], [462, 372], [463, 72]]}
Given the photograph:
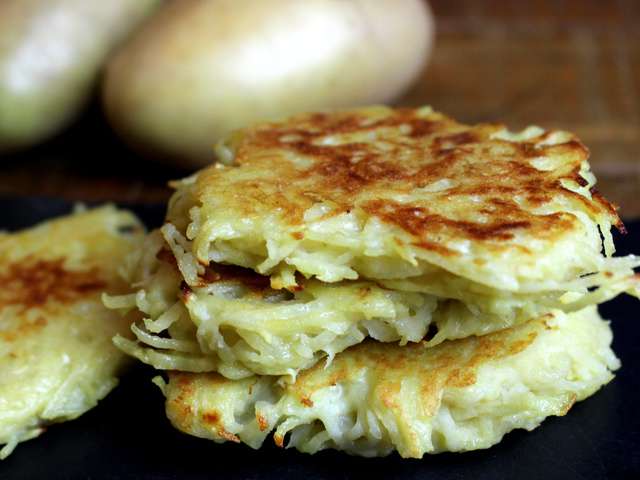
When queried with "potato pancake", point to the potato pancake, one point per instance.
{"points": [[56, 356], [464, 230], [394, 194], [234, 323], [399, 225], [379, 279], [376, 398]]}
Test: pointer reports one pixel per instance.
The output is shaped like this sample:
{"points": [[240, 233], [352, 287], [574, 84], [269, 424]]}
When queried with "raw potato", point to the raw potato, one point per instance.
{"points": [[51, 52], [200, 68]]}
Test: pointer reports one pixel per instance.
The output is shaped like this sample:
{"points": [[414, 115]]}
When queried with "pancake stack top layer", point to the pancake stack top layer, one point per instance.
{"points": [[390, 194], [316, 232]]}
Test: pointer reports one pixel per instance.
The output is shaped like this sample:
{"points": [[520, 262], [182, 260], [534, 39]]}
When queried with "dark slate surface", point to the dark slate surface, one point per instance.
{"points": [[127, 435]]}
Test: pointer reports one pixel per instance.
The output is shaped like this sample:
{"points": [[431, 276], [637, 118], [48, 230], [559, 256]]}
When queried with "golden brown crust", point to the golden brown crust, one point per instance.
{"points": [[460, 395], [43, 273], [217, 272], [369, 159], [22, 330], [32, 283], [57, 359], [263, 424], [452, 364]]}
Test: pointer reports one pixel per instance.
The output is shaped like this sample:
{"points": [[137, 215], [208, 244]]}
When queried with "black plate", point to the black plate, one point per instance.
{"points": [[128, 436]]}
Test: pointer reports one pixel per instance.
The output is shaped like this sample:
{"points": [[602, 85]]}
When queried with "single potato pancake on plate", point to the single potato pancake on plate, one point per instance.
{"points": [[56, 356], [375, 397]]}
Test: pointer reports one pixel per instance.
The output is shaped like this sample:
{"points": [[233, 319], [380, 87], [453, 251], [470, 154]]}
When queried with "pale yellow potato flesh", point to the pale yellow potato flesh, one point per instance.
{"points": [[399, 194], [375, 398], [57, 359], [232, 322], [400, 225]]}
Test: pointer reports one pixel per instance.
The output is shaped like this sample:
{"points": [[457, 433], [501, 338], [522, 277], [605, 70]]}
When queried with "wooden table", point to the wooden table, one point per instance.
{"points": [[572, 64]]}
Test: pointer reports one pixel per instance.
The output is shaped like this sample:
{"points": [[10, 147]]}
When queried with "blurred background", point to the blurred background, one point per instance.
{"points": [[135, 69]]}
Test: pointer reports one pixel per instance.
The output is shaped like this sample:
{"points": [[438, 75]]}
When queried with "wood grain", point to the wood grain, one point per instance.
{"points": [[567, 64], [573, 65]]}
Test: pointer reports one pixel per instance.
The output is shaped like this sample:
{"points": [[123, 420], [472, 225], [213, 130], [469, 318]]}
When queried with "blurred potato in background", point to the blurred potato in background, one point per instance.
{"points": [[51, 52], [200, 68]]}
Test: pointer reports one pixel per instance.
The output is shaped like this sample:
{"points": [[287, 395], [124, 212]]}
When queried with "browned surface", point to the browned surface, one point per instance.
{"points": [[362, 160], [232, 273], [218, 272], [33, 283], [572, 64], [449, 365]]}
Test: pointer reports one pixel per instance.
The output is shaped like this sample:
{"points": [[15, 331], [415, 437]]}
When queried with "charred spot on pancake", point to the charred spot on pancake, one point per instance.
{"points": [[165, 255], [419, 220], [431, 332], [263, 424], [32, 283], [185, 291], [211, 417], [218, 272]]}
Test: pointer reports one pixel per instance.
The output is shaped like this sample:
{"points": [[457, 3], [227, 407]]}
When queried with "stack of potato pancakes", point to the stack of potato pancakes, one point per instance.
{"points": [[377, 280]]}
